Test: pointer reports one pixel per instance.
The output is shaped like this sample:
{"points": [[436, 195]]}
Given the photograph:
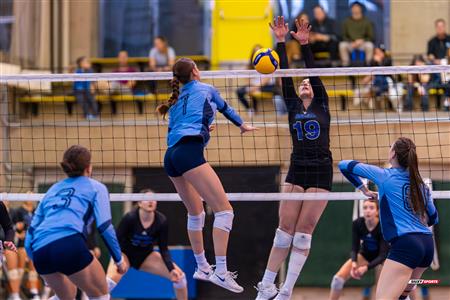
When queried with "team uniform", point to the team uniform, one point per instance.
{"points": [[311, 163], [409, 236], [23, 216], [56, 239], [137, 242], [189, 121], [370, 244], [6, 224]]}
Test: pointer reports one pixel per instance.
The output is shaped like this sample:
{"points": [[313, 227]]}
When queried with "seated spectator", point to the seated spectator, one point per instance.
{"points": [[439, 45], [323, 36], [82, 90], [123, 86], [161, 56], [417, 83], [260, 84], [375, 86], [358, 36]]}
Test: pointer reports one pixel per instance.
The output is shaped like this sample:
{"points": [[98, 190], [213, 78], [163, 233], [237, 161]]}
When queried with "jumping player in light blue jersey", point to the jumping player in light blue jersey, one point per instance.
{"points": [[56, 238], [406, 211], [191, 114]]}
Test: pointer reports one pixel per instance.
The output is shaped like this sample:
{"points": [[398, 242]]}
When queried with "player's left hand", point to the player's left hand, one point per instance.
{"points": [[245, 128], [302, 34], [361, 270], [10, 246], [176, 275]]}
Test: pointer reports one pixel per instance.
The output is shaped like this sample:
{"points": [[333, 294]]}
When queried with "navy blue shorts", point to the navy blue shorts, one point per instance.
{"points": [[68, 256], [185, 155], [320, 176], [412, 250]]}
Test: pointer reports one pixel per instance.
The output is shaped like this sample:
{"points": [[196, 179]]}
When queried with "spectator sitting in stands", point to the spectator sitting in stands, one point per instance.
{"points": [[161, 56], [323, 36], [82, 90], [260, 84], [357, 34], [438, 53], [419, 83], [375, 85], [123, 86]]}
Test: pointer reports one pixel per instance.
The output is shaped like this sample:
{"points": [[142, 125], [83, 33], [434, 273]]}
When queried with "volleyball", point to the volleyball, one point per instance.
{"points": [[265, 61]]}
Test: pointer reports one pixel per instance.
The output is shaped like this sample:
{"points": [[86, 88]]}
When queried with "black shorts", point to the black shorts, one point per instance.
{"points": [[185, 155], [369, 256], [68, 256], [412, 250], [318, 176], [136, 257]]}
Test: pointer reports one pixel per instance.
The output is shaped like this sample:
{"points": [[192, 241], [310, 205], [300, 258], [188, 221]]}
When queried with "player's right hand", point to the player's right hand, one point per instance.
{"points": [[122, 267]]}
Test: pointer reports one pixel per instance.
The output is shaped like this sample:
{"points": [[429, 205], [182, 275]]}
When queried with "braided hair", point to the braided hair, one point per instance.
{"points": [[182, 70]]}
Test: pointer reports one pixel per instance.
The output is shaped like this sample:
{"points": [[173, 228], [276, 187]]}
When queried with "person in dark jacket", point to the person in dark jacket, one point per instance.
{"points": [[324, 37]]}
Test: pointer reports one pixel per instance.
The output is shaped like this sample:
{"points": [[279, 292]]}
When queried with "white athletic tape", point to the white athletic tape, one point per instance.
{"points": [[224, 220], [337, 283], [196, 223], [302, 240], [33, 275], [282, 239]]}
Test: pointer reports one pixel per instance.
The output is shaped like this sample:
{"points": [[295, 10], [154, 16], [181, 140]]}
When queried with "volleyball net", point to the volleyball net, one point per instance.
{"points": [[113, 115]]}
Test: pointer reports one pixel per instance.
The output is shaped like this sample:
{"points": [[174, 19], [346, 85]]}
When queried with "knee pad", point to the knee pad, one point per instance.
{"points": [[282, 239], [13, 274], [302, 241], [337, 283], [111, 284], [180, 284], [224, 220], [55, 297], [196, 223], [104, 297], [33, 276], [21, 272]]}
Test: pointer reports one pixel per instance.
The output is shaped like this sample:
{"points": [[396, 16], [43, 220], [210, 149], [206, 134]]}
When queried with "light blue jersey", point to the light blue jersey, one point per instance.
{"points": [[194, 112], [396, 215], [68, 208]]}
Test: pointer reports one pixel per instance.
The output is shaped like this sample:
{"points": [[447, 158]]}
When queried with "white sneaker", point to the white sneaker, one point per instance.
{"points": [[266, 291], [227, 281], [284, 294], [203, 275]]}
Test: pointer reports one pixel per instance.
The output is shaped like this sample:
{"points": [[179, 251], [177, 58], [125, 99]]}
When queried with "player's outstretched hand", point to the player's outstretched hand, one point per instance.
{"points": [[280, 28], [246, 128], [302, 34]]}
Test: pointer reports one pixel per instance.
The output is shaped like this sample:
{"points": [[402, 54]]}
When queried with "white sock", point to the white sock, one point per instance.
{"points": [[269, 277], [34, 291], [296, 262], [111, 283], [202, 263], [221, 264]]}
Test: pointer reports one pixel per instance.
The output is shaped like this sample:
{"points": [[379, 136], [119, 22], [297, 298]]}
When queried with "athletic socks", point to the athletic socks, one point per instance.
{"points": [[269, 277], [202, 263], [221, 264], [296, 262]]}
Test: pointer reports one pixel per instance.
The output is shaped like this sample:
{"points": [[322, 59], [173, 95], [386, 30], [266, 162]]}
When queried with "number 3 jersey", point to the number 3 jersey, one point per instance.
{"points": [[68, 208], [309, 128]]}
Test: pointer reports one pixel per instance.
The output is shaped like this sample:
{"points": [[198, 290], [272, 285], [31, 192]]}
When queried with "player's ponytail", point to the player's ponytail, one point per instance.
{"points": [[182, 70], [405, 150], [75, 161]]}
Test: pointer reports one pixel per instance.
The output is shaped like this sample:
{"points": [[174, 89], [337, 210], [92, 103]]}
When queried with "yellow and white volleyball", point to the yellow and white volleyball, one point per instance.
{"points": [[265, 61]]}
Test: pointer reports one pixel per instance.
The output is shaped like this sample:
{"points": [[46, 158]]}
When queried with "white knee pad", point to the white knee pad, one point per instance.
{"points": [[282, 239], [224, 220], [55, 297], [196, 223], [13, 274], [180, 284], [33, 275], [111, 284], [337, 283], [104, 297], [21, 272], [302, 241]]}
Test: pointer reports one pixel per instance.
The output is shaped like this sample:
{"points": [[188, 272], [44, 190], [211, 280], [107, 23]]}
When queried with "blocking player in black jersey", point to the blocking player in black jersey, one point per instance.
{"points": [[369, 249], [138, 232], [310, 168]]}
